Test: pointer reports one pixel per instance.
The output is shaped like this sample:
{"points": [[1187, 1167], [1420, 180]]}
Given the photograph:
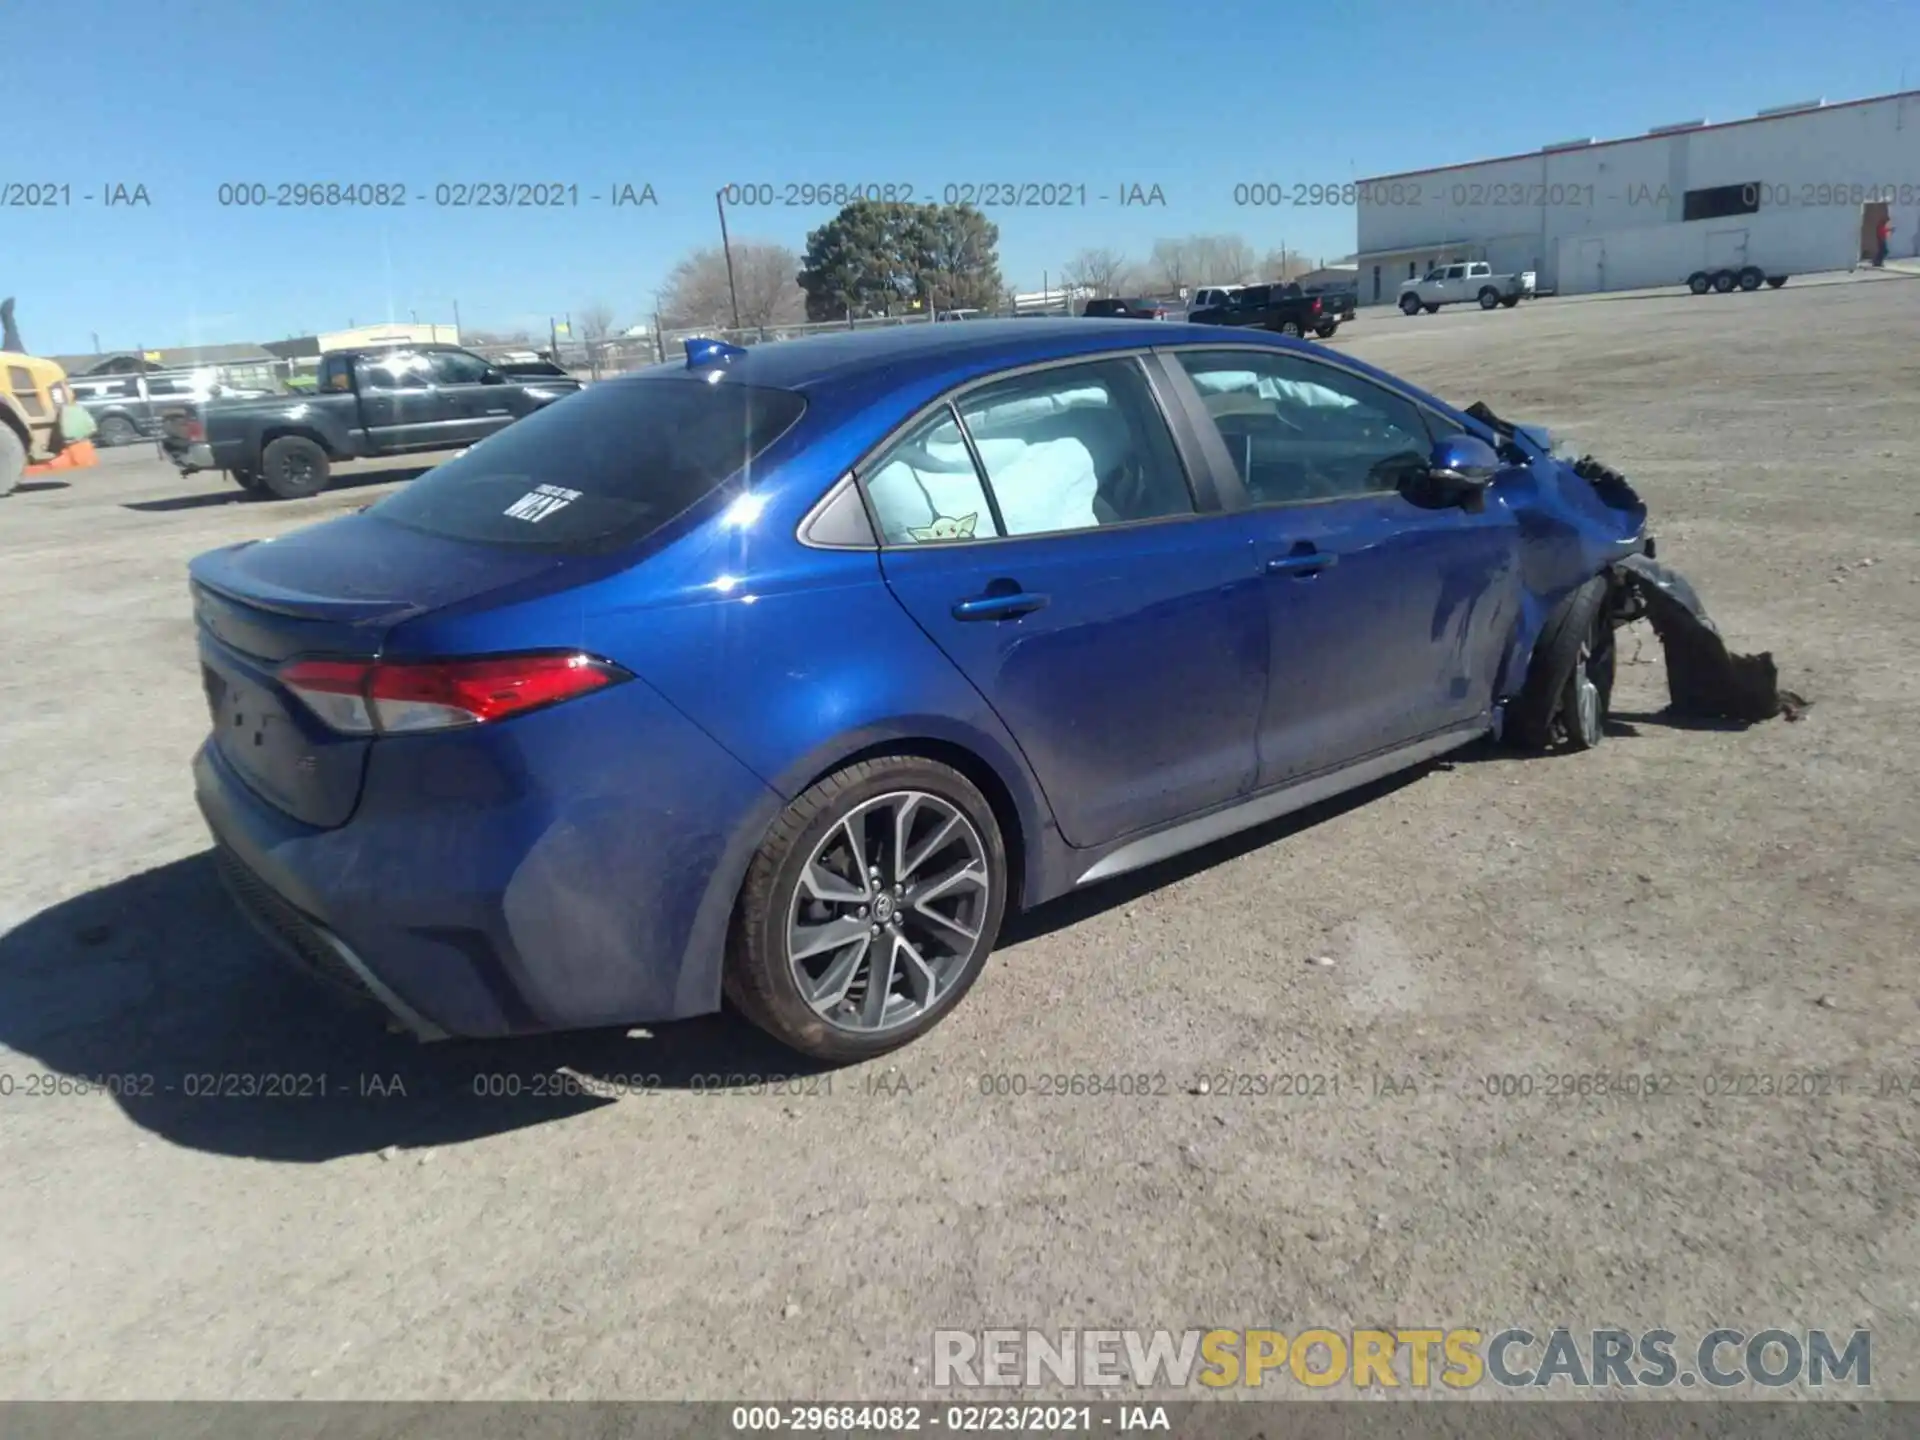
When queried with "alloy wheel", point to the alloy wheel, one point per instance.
{"points": [[888, 911]]}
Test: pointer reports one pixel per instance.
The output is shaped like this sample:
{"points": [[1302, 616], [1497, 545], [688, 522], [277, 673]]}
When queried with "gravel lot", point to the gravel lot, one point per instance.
{"points": [[1695, 902]]}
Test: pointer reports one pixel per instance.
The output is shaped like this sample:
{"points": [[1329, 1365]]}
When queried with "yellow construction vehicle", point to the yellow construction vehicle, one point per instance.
{"points": [[41, 428]]}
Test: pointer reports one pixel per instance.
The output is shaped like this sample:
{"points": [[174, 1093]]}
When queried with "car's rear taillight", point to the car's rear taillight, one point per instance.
{"points": [[1316, 307], [367, 697]]}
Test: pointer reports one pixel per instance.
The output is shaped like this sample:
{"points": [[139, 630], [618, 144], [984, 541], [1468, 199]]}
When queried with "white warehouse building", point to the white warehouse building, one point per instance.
{"points": [[1792, 190]]}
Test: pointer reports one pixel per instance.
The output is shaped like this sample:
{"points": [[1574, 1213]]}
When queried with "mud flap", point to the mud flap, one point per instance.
{"points": [[1704, 679]]}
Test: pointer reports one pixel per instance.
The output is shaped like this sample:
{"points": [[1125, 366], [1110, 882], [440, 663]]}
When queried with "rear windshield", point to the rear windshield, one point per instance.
{"points": [[605, 467]]}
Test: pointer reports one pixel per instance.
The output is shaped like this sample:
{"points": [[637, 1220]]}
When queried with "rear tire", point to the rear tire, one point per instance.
{"points": [[118, 430], [1409, 305], [1699, 282], [1569, 684], [13, 459], [1752, 278], [1489, 297], [294, 468], [1724, 281], [1290, 328], [1774, 282], [1325, 329], [803, 880]]}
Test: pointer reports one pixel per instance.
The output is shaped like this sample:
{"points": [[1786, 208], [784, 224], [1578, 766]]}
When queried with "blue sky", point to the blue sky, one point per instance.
{"points": [[185, 95]]}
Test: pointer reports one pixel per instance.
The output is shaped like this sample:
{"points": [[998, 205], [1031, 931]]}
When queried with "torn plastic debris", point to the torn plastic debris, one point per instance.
{"points": [[1704, 678]]}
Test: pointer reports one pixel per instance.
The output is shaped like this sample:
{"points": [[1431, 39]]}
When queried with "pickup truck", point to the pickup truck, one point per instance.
{"points": [[1285, 308], [367, 403], [1465, 280]]}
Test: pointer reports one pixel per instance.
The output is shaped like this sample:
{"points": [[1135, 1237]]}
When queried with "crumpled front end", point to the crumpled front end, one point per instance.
{"points": [[1583, 518]]}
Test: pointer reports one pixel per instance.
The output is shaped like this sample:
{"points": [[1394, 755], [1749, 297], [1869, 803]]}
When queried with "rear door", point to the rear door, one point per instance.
{"points": [[399, 405], [1055, 550], [1389, 617]]}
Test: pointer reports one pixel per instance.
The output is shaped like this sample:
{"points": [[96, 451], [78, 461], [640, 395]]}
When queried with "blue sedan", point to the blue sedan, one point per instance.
{"points": [[783, 675]]}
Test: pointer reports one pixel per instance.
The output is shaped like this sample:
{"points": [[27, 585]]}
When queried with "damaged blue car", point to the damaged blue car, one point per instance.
{"points": [[783, 675]]}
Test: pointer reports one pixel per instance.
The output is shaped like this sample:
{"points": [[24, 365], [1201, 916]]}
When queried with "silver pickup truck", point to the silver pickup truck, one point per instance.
{"points": [[1465, 280]]}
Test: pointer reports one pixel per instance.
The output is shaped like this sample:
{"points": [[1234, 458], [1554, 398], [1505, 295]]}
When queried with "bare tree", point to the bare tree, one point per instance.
{"points": [[594, 320], [1105, 272], [696, 293], [495, 337], [1172, 265], [1285, 264], [1221, 259]]}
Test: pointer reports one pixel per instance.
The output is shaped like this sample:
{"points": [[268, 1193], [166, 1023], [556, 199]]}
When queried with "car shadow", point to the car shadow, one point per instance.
{"points": [[153, 991], [1078, 905], [229, 493], [32, 487]]}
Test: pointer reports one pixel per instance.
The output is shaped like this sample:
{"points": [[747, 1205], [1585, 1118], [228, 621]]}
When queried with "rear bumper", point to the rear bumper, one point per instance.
{"points": [[562, 871], [190, 458]]}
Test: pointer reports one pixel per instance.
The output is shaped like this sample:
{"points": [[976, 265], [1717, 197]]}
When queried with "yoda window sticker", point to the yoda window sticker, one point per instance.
{"points": [[926, 490]]}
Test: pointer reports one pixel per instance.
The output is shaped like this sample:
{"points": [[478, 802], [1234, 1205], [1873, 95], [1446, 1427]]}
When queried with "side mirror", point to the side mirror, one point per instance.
{"points": [[1461, 469], [493, 377]]}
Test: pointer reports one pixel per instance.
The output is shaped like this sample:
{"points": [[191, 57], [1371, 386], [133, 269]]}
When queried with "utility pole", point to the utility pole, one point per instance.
{"points": [[726, 245], [456, 320]]}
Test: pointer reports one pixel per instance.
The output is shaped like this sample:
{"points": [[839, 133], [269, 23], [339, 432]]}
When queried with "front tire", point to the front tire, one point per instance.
{"points": [[13, 459], [249, 481], [1325, 329], [1409, 305], [1569, 685], [1431, 309], [1774, 282], [1510, 301], [294, 468], [1489, 298], [869, 910]]}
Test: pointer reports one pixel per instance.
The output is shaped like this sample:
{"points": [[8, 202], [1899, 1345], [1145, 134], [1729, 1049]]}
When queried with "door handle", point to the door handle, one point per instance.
{"points": [[998, 607], [1301, 566]]}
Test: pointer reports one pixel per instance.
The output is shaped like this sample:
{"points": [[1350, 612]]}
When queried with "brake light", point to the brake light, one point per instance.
{"points": [[1316, 307], [366, 697]]}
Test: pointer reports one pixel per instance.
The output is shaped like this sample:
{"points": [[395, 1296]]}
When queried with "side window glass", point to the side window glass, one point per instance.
{"points": [[1076, 447], [393, 372], [453, 367], [925, 488], [1301, 431]]}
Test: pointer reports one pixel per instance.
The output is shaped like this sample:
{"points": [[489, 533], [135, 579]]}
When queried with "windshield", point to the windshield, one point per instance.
{"points": [[605, 467]]}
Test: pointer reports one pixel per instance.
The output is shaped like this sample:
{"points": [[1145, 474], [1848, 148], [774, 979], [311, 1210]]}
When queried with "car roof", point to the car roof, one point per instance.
{"points": [[855, 368], [902, 353]]}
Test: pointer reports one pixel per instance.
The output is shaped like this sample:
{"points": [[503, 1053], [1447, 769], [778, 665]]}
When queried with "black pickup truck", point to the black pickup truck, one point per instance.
{"points": [[367, 403], [1285, 308]]}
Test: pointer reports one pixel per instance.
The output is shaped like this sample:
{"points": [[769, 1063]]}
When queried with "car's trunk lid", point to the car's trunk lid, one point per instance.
{"points": [[335, 589]]}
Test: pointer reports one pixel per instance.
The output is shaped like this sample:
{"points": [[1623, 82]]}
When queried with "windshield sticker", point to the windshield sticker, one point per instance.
{"points": [[540, 502], [946, 527]]}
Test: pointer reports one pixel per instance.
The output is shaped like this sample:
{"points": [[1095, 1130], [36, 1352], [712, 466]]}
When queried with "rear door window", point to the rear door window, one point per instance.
{"points": [[605, 467]]}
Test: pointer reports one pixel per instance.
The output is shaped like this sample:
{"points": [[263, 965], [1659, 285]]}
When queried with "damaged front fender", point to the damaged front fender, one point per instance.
{"points": [[1705, 680]]}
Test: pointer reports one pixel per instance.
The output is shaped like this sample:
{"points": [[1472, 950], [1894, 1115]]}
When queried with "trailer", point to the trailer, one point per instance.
{"points": [[1741, 252]]}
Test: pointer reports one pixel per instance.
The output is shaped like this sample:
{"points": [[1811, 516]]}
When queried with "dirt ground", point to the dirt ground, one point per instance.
{"points": [[1703, 904]]}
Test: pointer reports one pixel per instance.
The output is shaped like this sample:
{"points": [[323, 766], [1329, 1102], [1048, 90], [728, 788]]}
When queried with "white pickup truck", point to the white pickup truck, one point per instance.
{"points": [[1465, 280]]}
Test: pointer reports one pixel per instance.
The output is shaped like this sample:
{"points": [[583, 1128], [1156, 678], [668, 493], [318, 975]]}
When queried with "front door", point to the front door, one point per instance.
{"points": [[1117, 627], [1388, 615]]}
